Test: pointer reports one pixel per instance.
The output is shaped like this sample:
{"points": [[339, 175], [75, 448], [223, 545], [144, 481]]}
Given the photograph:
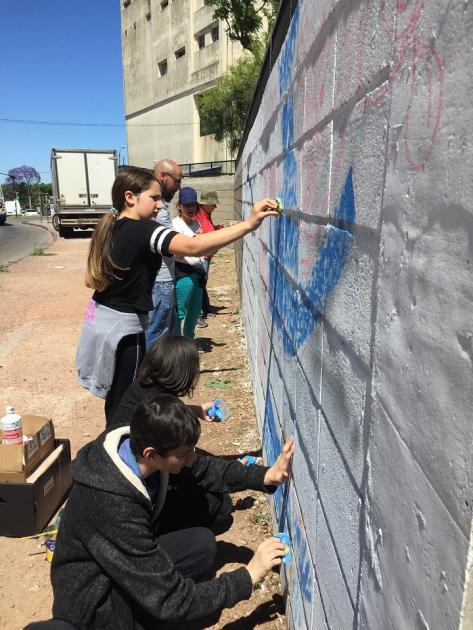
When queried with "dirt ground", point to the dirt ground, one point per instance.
{"points": [[42, 302]]}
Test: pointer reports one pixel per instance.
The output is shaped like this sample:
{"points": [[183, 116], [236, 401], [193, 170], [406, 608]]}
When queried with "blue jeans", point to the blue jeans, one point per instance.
{"points": [[163, 319]]}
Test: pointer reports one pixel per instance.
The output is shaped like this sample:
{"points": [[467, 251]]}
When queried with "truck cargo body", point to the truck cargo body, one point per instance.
{"points": [[82, 181]]}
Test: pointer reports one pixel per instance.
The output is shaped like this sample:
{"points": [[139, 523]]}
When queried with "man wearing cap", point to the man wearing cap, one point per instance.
{"points": [[163, 317], [207, 203]]}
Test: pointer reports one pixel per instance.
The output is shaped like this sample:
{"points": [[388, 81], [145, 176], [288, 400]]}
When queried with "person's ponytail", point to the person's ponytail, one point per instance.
{"points": [[100, 266]]}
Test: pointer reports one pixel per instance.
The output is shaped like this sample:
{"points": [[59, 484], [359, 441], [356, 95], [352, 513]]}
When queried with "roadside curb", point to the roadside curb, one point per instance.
{"points": [[47, 227]]}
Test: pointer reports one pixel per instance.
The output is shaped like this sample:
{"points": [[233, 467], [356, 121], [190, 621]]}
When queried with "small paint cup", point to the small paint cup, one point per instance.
{"points": [[50, 544], [284, 538], [219, 411], [250, 460]]}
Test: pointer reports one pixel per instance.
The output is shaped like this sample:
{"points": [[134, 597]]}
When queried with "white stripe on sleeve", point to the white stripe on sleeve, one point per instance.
{"points": [[157, 238]]}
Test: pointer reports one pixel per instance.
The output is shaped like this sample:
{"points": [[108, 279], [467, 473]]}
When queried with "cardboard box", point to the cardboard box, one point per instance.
{"points": [[18, 461], [26, 508]]}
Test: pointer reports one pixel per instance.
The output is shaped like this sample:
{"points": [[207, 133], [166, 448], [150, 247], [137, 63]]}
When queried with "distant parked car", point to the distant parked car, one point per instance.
{"points": [[31, 212]]}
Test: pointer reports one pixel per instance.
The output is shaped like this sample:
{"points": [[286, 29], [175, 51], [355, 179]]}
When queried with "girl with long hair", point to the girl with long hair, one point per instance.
{"points": [[124, 257]]}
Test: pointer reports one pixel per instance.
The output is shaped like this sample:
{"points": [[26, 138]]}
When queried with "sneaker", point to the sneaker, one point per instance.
{"points": [[201, 323]]}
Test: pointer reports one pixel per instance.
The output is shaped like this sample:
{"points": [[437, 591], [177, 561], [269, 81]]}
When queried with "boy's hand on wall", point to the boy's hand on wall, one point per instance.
{"points": [[279, 471], [268, 555]]}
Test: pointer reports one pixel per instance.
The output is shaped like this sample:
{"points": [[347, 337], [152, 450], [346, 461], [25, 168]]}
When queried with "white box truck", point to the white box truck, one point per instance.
{"points": [[82, 182]]}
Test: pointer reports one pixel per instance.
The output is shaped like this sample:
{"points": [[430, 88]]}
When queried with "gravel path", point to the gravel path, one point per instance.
{"points": [[42, 302]]}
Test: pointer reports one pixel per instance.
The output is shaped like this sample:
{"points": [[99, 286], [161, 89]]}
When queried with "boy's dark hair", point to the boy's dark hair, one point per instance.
{"points": [[172, 363], [163, 422]]}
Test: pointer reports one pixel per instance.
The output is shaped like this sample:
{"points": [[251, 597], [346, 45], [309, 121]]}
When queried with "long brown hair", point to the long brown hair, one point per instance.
{"points": [[100, 266]]}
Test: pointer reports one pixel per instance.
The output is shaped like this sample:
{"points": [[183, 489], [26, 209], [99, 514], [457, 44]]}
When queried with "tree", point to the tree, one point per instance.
{"points": [[244, 18], [27, 175], [224, 108]]}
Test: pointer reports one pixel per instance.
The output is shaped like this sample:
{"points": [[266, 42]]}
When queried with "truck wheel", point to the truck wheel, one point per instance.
{"points": [[56, 222], [66, 232]]}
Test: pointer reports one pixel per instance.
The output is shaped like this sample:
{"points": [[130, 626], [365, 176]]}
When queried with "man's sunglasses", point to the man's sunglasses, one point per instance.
{"points": [[176, 180]]}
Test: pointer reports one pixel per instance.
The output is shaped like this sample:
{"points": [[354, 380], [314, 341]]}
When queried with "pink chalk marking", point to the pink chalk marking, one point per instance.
{"points": [[90, 312]]}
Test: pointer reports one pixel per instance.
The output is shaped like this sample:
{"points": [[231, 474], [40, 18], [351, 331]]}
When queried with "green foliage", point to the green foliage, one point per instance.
{"points": [[38, 194], [224, 108], [244, 18]]}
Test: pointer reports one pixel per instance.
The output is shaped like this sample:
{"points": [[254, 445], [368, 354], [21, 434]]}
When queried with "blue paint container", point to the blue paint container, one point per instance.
{"points": [[219, 411], [250, 460], [284, 538]]}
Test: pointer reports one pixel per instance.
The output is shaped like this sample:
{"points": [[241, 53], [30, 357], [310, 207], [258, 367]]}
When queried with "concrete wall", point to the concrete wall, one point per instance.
{"points": [[161, 111], [358, 308]]}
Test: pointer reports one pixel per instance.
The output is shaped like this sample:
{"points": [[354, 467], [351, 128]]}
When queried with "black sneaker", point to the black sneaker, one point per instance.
{"points": [[201, 323]]}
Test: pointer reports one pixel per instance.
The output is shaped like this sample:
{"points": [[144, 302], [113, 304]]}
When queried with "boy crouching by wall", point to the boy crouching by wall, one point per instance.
{"points": [[122, 559]]}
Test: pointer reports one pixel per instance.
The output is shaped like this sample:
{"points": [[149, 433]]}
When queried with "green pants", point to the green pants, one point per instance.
{"points": [[189, 304]]}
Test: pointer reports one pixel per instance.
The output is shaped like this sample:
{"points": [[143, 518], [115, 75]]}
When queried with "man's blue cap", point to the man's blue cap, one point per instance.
{"points": [[187, 195]]}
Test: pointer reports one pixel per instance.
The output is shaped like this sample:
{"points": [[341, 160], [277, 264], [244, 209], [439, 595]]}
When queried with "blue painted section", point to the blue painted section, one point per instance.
{"points": [[296, 309], [296, 315], [272, 446], [286, 57], [303, 561]]}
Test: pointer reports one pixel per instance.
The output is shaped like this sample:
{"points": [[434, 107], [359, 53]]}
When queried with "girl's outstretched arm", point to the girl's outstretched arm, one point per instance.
{"points": [[207, 244]]}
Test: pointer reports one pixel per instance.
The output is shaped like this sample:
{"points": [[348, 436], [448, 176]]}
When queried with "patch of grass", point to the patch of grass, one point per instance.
{"points": [[4, 268], [260, 518], [219, 383], [40, 251]]}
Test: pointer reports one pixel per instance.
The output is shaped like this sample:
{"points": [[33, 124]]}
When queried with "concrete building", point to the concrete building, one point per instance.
{"points": [[173, 50]]}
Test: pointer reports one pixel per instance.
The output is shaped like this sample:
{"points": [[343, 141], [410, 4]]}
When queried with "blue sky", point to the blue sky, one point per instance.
{"points": [[61, 61]]}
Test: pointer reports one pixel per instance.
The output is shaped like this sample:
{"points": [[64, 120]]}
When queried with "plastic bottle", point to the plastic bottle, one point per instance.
{"points": [[219, 410], [11, 427]]}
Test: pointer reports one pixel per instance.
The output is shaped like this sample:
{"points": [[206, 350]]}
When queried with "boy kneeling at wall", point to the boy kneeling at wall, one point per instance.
{"points": [[115, 565]]}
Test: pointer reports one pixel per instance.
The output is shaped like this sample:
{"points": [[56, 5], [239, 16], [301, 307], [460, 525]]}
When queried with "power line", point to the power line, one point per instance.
{"points": [[51, 123]]}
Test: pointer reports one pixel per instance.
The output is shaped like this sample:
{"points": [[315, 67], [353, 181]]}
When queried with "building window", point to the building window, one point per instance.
{"points": [[180, 53], [148, 12], [163, 67], [201, 41], [164, 4], [215, 34]]}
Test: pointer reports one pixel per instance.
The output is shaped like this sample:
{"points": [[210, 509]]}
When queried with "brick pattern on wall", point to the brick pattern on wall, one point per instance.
{"points": [[357, 307]]}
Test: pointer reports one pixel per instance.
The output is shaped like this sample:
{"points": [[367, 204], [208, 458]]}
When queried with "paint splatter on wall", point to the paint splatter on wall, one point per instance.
{"points": [[344, 299]]}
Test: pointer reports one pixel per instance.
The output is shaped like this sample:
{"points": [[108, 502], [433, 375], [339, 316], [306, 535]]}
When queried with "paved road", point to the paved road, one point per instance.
{"points": [[18, 240]]}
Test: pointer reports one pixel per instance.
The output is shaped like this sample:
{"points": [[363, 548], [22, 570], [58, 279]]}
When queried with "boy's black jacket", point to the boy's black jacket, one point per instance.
{"points": [[107, 557]]}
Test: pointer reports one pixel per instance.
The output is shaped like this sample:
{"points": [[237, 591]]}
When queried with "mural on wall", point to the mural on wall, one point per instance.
{"points": [[349, 133]]}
